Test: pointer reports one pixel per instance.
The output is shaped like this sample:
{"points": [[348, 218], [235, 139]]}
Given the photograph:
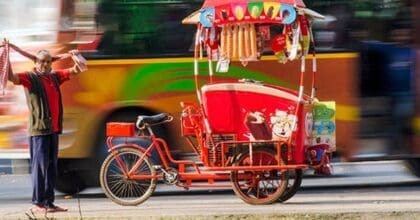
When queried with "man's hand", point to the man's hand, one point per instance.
{"points": [[79, 62]]}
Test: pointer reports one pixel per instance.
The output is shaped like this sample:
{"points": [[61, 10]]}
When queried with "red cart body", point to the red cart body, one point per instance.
{"points": [[252, 112]]}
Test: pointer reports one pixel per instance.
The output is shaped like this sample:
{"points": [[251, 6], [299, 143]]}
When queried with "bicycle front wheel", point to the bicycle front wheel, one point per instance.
{"points": [[121, 189]]}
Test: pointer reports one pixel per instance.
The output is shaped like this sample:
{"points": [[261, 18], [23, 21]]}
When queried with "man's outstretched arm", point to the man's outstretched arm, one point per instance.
{"points": [[12, 77], [33, 57], [24, 53]]}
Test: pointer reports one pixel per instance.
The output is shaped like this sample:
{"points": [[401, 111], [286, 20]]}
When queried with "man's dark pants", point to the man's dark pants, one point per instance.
{"points": [[44, 152]]}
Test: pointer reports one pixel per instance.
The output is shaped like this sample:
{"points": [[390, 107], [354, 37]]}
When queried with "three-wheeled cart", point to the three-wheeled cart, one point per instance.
{"points": [[251, 136]]}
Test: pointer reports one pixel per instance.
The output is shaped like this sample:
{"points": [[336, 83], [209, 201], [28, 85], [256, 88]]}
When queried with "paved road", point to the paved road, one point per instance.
{"points": [[374, 187]]}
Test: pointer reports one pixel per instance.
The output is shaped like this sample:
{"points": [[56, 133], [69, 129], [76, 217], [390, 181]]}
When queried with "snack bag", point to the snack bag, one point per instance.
{"points": [[80, 61]]}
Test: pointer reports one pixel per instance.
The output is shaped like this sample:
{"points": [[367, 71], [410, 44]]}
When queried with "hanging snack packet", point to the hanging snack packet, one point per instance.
{"points": [[278, 45], [80, 61]]}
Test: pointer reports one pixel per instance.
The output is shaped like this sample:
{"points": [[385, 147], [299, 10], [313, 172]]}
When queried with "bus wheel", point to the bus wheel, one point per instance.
{"points": [[414, 166], [69, 181], [128, 114]]}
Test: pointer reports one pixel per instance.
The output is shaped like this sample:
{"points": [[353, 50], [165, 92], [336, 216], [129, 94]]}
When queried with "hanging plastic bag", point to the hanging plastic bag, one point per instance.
{"points": [[80, 61]]}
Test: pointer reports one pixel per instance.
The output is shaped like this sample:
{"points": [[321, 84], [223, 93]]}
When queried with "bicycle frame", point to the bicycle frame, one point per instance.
{"points": [[201, 173]]}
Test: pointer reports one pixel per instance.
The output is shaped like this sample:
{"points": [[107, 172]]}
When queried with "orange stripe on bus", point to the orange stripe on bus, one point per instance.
{"points": [[347, 113], [322, 56], [186, 59], [416, 125]]}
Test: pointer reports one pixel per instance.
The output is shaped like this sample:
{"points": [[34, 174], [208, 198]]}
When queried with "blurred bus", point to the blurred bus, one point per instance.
{"points": [[140, 62]]}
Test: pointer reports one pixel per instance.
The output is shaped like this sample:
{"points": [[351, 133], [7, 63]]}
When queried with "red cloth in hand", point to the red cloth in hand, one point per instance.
{"points": [[4, 66]]}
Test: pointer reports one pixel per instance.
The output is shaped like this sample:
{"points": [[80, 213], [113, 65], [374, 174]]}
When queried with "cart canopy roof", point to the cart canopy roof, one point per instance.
{"points": [[209, 3], [219, 12]]}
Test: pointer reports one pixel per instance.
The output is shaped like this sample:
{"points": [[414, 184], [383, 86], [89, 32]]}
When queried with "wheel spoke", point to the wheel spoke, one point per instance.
{"points": [[261, 187], [120, 188]]}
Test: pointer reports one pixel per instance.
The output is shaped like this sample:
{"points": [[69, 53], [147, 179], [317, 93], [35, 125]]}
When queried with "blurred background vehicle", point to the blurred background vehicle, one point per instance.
{"points": [[140, 62]]}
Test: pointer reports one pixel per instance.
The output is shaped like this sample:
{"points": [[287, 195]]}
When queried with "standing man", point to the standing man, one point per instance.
{"points": [[42, 90]]}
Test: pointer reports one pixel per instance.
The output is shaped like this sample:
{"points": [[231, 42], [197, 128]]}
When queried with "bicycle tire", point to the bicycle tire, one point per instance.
{"points": [[117, 187], [258, 193], [292, 187]]}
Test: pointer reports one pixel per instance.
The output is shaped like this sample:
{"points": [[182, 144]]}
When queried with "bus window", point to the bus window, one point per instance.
{"points": [[349, 22], [144, 28]]}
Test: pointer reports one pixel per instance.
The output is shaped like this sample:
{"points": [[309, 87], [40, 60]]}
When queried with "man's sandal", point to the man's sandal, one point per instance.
{"points": [[55, 208], [37, 209]]}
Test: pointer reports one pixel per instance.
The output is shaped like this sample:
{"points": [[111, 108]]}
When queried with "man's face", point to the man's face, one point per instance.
{"points": [[43, 63]]}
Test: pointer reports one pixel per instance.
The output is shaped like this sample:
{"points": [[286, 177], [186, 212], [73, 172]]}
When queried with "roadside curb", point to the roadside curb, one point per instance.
{"points": [[289, 216], [14, 166]]}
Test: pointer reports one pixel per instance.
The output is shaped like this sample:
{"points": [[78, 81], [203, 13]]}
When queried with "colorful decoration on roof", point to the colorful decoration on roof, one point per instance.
{"points": [[251, 12], [240, 30]]}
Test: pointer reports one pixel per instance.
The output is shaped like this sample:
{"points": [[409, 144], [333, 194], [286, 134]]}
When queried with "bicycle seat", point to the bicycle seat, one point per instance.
{"points": [[153, 119]]}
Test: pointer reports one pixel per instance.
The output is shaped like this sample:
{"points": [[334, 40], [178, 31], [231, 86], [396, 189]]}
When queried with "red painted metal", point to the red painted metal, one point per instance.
{"points": [[120, 129]]}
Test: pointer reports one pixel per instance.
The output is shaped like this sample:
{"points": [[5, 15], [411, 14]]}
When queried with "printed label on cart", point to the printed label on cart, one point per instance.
{"points": [[323, 131]]}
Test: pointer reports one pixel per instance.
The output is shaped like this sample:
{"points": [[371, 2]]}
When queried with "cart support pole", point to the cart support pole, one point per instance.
{"points": [[209, 53], [313, 76], [196, 54], [197, 89], [314, 67], [300, 98], [210, 69]]}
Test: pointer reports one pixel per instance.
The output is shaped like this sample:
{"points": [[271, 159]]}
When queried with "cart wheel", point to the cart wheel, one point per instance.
{"points": [[258, 187], [117, 187], [293, 184]]}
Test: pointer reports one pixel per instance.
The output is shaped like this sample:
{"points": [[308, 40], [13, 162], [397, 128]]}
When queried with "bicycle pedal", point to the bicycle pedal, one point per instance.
{"points": [[157, 167]]}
